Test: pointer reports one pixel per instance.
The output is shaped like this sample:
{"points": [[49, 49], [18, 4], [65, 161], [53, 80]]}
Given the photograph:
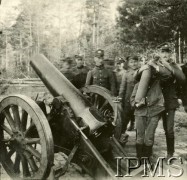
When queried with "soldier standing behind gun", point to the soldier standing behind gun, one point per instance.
{"points": [[80, 72], [66, 68], [119, 71], [126, 88], [100, 75]]}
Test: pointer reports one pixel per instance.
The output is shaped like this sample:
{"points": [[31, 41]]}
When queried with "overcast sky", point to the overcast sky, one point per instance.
{"points": [[7, 7]]}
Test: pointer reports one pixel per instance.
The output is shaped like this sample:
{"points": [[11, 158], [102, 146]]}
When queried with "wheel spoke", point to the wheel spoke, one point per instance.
{"points": [[92, 97], [6, 140], [7, 130], [96, 100], [25, 167], [33, 151], [33, 141], [10, 153], [16, 115], [104, 105], [17, 164], [24, 120], [31, 161], [9, 118]]}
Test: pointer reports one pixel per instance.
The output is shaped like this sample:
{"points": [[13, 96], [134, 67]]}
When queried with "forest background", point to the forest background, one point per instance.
{"points": [[62, 28]]}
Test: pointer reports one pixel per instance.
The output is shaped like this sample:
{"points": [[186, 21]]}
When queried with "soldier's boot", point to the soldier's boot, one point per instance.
{"points": [[148, 152], [170, 147], [139, 150]]}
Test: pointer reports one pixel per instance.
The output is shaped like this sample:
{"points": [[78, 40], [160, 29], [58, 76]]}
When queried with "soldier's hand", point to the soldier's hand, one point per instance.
{"points": [[167, 65], [153, 64], [144, 67]]}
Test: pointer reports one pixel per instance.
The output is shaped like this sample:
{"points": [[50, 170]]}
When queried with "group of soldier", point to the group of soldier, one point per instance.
{"points": [[149, 91]]}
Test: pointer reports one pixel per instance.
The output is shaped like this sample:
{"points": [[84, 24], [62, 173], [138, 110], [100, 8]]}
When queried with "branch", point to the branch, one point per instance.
{"points": [[161, 25]]}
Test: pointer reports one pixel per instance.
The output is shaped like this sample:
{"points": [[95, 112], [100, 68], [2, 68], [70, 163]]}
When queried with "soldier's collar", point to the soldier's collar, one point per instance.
{"points": [[100, 67], [80, 67]]}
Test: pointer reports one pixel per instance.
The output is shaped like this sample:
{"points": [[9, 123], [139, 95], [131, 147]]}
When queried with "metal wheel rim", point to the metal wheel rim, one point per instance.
{"points": [[106, 94], [46, 155]]}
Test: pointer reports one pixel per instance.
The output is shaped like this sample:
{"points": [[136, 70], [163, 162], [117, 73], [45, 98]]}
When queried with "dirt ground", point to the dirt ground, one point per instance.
{"points": [[74, 172]]}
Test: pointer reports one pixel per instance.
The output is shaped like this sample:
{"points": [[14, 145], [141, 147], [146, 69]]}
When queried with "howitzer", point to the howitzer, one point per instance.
{"points": [[58, 85], [78, 125]]}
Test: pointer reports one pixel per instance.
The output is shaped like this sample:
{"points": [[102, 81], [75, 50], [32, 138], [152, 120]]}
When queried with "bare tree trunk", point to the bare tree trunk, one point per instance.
{"points": [[6, 53], [38, 38], [179, 47], [182, 49], [20, 53], [30, 31], [80, 30], [94, 27], [97, 25], [60, 34]]}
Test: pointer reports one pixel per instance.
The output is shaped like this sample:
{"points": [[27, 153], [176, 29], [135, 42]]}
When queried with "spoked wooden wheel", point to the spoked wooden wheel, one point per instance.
{"points": [[26, 143], [103, 100]]}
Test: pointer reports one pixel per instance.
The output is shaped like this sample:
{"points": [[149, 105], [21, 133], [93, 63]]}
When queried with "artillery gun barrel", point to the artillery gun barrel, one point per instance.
{"points": [[59, 85]]}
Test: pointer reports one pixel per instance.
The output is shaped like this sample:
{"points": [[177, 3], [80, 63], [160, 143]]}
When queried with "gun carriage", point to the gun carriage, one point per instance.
{"points": [[85, 126]]}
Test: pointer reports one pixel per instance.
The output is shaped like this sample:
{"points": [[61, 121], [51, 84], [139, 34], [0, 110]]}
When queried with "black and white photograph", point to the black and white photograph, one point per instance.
{"points": [[93, 89]]}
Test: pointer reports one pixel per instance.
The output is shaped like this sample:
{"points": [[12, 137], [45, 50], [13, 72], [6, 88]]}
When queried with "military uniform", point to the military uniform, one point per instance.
{"points": [[126, 88], [148, 114], [118, 78], [68, 74], [80, 74], [102, 77], [184, 88], [118, 72], [66, 69], [171, 103], [169, 90]]}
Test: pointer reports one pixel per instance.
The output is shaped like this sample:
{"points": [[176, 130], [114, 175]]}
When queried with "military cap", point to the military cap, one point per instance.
{"points": [[78, 57], [99, 53], [67, 59], [119, 60], [136, 58], [166, 48]]}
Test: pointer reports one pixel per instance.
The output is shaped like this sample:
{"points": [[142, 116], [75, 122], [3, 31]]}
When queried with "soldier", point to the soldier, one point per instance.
{"points": [[80, 72], [126, 88], [184, 88], [119, 71], [147, 114], [66, 68], [100, 75], [169, 74], [171, 99]]}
